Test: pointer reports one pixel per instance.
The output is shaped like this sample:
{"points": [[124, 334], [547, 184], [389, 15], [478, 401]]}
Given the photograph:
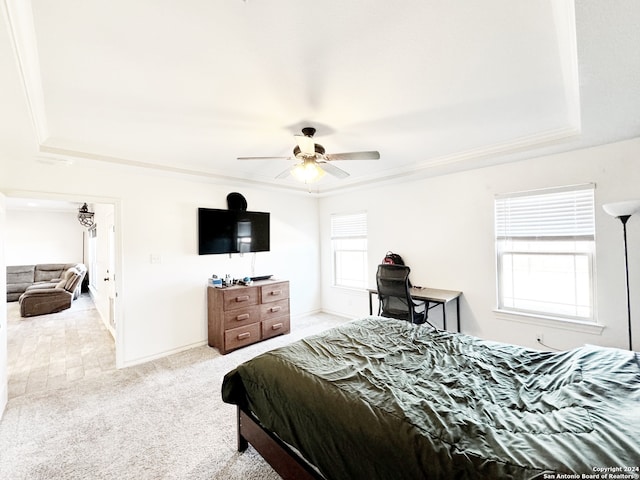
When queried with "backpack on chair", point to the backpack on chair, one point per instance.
{"points": [[394, 259]]}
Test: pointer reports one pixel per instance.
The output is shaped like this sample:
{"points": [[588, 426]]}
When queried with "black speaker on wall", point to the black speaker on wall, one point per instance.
{"points": [[236, 201]]}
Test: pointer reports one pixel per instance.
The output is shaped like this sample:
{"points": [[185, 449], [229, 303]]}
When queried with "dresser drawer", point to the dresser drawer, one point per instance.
{"points": [[241, 316], [274, 292], [240, 298], [275, 326], [274, 309], [241, 336]]}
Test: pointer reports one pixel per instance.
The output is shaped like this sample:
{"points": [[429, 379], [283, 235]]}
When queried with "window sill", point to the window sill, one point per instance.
{"points": [[574, 325]]}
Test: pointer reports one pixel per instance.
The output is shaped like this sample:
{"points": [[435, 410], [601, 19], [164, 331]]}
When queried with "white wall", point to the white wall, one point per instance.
{"points": [[4, 390], [162, 306], [42, 237], [172, 307], [443, 228]]}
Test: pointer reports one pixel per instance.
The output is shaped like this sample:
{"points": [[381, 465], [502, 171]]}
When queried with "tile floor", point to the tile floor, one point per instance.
{"points": [[50, 351]]}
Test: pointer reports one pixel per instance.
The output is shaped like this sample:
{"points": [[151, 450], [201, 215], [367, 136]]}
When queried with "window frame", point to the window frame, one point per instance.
{"points": [[346, 227], [578, 237]]}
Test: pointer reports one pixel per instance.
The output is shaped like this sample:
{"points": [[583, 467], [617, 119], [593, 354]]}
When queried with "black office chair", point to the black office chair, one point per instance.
{"points": [[394, 297]]}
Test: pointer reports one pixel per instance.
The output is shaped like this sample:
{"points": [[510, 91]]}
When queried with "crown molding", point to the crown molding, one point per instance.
{"points": [[491, 154], [22, 35], [468, 159], [67, 157], [19, 18]]}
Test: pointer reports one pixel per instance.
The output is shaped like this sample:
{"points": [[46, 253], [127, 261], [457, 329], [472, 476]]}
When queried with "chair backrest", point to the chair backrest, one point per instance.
{"points": [[393, 292], [72, 278]]}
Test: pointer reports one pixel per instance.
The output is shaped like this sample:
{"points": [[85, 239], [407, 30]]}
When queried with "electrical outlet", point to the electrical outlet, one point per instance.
{"points": [[539, 338]]}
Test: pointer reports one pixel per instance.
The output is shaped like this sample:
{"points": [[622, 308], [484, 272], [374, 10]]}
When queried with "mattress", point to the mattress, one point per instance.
{"points": [[379, 398]]}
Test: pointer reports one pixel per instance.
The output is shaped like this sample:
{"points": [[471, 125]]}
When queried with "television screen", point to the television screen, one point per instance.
{"points": [[232, 231]]}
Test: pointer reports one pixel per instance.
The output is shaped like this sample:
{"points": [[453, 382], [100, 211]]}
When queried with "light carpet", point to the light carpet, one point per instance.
{"points": [[160, 420]]}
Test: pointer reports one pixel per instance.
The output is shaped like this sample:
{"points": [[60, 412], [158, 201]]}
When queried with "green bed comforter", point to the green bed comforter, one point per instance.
{"points": [[383, 399]]}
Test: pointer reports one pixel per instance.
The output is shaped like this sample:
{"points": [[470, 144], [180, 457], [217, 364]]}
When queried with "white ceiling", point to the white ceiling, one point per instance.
{"points": [[434, 86]]}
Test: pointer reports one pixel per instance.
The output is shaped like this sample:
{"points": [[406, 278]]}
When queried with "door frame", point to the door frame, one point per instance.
{"points": [[4, 374], [119, 282]]}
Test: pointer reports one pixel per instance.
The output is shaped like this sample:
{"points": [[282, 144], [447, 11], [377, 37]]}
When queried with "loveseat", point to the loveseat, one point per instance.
{"points": [[50, 297]]}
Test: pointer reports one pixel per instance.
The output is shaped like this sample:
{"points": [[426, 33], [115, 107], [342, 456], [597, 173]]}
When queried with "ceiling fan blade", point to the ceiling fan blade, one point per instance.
{"points": [[333, 170], [264, 158], [373, 155], [284, 173], [306, 144]]}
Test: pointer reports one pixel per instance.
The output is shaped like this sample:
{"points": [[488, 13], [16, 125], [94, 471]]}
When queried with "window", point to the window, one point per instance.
{"points": [[545, 245], [349, 250]]}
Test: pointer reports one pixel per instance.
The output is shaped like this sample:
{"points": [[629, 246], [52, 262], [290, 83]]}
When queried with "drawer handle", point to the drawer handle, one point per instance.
{"points": [[276, 326], [244, 335], [275, 309], [244, 316], [276, 292], [243, 298]]}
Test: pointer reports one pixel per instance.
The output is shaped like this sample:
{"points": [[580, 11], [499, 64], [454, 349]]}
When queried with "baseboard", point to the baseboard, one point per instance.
{"points": [[162, 354], [305, 314], [166, 353], [339, 314]]}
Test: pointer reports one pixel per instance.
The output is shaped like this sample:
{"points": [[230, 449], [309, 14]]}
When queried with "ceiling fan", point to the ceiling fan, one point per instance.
{"points": [[313, 162]]}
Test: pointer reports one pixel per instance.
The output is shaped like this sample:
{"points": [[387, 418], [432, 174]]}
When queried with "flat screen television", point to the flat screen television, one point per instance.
{"points": [[232, 231]]}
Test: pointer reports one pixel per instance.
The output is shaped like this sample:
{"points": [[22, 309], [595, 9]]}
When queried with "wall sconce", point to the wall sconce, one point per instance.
{"points": [[85, 217]]}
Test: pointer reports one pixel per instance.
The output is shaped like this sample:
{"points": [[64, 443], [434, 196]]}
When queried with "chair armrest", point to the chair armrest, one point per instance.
{"points": [[40, 292], [41, 286]]}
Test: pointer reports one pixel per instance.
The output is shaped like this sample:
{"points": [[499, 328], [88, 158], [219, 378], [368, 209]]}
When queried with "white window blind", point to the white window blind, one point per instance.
{"points": [[352, 225], [550, 214], [545, 247], [349, 249]]}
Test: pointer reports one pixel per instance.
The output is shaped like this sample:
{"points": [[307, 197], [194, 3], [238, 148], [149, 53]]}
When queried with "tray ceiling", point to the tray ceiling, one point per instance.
{"points": [[189, 86]]}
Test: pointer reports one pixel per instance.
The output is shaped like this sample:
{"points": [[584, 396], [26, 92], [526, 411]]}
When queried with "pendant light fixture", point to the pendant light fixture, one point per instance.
{"points": [[85, 217]]}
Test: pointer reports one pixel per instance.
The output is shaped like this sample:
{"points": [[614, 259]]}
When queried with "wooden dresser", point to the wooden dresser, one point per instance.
{"points": [[241, 315]]}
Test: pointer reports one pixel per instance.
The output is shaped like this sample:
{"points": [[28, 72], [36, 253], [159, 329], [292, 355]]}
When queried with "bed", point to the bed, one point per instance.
{"points": [[379, 398]]}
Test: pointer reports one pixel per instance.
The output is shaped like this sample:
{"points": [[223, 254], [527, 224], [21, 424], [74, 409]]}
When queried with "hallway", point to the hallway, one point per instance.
{"points": [[49, 351]]}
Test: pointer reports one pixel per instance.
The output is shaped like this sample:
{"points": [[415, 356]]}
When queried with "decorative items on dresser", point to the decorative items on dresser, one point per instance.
{"points": [[241, 315]]}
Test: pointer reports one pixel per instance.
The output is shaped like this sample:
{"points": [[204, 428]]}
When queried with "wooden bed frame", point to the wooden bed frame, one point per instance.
{"points": [[282, 458]]}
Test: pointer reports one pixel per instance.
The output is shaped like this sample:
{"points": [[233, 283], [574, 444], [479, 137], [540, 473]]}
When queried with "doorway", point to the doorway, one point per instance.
{"points": [[3, 317], [96, 311], [102, 262]]}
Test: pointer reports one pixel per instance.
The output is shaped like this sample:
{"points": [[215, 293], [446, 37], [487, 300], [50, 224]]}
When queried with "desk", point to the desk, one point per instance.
{"points": [[430, 295]]}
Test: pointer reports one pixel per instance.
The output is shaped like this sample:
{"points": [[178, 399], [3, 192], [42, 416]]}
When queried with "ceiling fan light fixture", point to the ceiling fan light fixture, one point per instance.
{"points": [[313, 161], [307, 171]]}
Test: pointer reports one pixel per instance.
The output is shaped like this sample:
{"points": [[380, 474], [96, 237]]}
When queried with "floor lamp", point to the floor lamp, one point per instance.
{"points": [[623, 211]]}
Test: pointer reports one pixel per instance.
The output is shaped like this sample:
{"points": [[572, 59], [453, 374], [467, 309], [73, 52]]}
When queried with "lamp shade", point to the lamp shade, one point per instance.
{"points": [[307, 171], [620, 209]]}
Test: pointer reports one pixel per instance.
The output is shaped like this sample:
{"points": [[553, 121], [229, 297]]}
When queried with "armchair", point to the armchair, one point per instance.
{"points": [[46, 298]]}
